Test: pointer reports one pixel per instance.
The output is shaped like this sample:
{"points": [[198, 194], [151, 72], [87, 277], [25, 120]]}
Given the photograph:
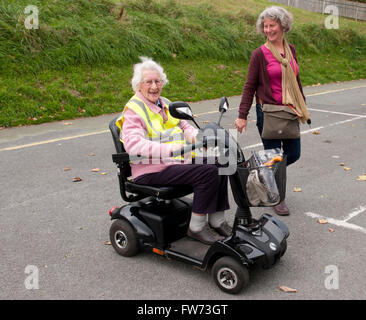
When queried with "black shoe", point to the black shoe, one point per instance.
{"points": [[224, 229], [206, 235]]}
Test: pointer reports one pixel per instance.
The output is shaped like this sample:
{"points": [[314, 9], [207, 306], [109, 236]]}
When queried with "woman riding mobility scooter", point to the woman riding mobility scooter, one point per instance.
{"points": [[157, 218]]}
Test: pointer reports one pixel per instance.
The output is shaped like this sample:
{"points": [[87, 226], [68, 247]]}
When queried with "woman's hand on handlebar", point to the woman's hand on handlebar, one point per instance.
{"points": [[241, 125], [176, 147], [191, 139]]}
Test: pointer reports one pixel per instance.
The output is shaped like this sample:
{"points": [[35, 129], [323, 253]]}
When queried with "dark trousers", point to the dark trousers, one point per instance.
{"points": [[291, 147], [210, 190]]}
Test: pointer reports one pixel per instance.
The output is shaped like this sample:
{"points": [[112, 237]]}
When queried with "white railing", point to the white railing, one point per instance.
{"points": [[350, 9]]}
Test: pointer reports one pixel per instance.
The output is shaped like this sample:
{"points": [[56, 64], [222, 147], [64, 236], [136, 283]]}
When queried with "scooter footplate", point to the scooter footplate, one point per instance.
{"points": [[190, 248]]}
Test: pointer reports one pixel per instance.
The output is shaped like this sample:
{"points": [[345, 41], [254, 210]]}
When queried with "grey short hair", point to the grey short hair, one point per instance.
{"points": [[146, 64], [279, 14]]}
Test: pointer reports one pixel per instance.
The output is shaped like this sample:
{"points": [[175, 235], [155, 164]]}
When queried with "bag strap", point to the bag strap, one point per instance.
{"points": [[288, 105]]}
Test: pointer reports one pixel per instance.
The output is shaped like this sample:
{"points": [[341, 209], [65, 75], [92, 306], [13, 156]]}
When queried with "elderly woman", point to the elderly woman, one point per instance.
{"points": [[268, 79], [149, 130]]}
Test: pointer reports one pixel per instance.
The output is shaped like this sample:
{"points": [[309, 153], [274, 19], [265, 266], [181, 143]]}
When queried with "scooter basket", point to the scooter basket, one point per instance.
{"points": [[279, 171]]}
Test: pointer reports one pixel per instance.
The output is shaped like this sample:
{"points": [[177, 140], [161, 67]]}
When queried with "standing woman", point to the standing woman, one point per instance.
{"points": [[273, 77]]}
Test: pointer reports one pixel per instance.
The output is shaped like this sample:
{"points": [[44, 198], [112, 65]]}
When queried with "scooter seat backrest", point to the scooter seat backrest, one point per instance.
{"points": [[125, 167], [115, 135]]}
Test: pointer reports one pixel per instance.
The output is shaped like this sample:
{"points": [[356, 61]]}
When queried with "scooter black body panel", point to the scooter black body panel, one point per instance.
{"points": [[128, 213], [221, 249], [263, 245], [157, 223]]}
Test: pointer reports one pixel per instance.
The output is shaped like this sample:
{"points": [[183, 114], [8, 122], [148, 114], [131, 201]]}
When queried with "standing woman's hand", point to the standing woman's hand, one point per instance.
{"points": [[241, 125]]}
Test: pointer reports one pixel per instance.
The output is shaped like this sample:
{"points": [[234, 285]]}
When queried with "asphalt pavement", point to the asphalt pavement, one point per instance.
{"points": [[54, 232]]}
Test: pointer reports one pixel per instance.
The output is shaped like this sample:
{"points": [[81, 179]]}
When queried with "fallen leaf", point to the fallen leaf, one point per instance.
{"points": [[77, 179], [92, 154], [315, 132], [362, 178], [297, 189], [67, 169], [67, 123], [95, 170], [103, 173], [347, 168], [322, 221], [287, 289], [107, 243], [342, 164], [331, 230]]}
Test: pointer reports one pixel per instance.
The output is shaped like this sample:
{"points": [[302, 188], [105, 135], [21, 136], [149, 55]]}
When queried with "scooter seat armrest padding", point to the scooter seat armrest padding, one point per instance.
{"points": [[120, 157]]}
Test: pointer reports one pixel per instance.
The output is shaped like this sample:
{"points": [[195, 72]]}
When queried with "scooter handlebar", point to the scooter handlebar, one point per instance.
{"points": [[193, 146], [186, 149]]}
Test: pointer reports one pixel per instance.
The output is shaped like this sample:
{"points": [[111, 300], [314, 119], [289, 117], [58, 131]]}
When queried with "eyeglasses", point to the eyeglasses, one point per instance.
{"points": [[150, 82]]}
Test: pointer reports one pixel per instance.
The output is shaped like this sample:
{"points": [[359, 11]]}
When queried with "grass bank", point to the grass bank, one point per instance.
{"points": [[79, 62]]}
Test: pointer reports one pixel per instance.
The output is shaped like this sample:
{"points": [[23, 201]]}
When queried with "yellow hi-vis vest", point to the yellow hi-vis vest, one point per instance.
{"points": [[168, 132]]}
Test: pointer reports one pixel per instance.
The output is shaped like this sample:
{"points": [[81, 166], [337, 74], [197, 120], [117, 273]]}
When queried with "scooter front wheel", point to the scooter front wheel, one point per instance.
{"points": [[123, 238], [229, 275]]}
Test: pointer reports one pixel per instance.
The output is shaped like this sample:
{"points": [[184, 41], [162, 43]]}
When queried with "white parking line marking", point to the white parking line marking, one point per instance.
{"points": [[333, 124], [333, 91], [52, 140], [344, 222], [354, 213], [336, 112]]}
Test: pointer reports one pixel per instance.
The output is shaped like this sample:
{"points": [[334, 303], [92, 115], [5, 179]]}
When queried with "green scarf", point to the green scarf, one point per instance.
{"points": [[291, 93]]}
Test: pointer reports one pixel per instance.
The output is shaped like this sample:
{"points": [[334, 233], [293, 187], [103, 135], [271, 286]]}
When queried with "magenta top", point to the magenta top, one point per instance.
{"points": [[275, 73]]}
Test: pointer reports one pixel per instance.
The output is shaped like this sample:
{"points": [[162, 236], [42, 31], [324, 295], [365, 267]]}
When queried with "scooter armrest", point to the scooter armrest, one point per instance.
{"points": [[125, 157], [120, 157]]}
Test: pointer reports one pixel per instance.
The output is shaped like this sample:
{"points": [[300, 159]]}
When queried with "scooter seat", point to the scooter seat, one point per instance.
{"points": [[122, 159], [164, 193]]}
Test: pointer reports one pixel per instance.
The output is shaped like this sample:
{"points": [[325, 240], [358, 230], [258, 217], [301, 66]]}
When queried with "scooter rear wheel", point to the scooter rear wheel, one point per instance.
{"points": [[123, 238], [229, 275]]}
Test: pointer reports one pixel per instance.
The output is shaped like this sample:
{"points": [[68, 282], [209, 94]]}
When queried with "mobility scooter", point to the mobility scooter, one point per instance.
{"points": [[156, 218]]}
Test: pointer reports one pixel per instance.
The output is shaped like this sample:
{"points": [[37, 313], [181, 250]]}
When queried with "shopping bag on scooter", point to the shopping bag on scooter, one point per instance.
{"points": [[261, 186]]}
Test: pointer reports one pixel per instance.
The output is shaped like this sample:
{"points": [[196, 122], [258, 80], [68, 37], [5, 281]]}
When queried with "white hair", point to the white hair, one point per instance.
{"points": [[278, 14], [146, 64]]}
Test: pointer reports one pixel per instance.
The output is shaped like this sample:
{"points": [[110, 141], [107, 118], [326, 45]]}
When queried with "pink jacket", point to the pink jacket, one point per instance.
{"points": [[133, 136]]}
